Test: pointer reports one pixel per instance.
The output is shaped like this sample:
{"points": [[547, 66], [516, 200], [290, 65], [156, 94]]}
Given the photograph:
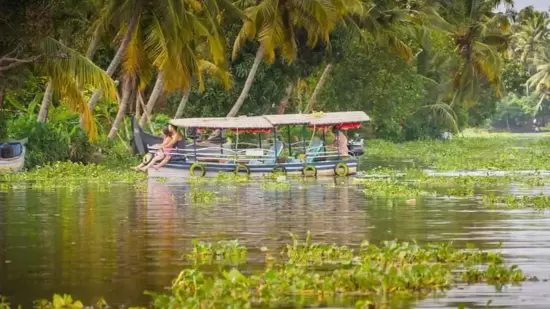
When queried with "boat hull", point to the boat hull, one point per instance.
{"points": [[13, 165], [181, 169]]}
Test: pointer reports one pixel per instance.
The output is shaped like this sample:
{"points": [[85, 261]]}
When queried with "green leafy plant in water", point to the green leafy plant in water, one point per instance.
{"points": [[4, 304], [308, 253], [204, 197], [222, 252], [59, 302], [391, 188], [495, 273], [510, 201], [275, 185], [70, 175]]}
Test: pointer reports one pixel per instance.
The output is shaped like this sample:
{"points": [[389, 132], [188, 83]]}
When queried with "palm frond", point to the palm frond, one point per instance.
{"points": [[221, 75], [443, 112]]}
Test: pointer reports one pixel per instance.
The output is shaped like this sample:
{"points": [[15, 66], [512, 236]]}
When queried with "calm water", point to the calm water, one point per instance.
{"points": [[117, 243]]}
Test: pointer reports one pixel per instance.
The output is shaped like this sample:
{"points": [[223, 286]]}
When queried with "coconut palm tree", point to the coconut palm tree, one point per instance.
{"points": [[530, 35], [187, 45], [176, 40], [274, 24], [387, 25], [540, 81], [68, 71], [479, 37]]}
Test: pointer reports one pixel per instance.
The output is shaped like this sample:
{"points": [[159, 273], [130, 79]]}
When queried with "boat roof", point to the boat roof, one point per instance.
{"points": [[338, 118], [241, 122], [318, 118], [270, 121]]}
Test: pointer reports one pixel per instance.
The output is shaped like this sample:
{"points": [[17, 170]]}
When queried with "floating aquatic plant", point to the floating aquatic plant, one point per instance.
{"points": [[229, 252], [200, 196], [71, 176], [511, 201]]}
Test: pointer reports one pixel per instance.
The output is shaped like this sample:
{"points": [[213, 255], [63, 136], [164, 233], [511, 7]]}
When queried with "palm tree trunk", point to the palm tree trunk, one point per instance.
{"points": [[284, 102], [155, 94], [317, 89], [115, 62], [46, 101], [183, 102], [123, 106], [93, 44], [244, 93]]}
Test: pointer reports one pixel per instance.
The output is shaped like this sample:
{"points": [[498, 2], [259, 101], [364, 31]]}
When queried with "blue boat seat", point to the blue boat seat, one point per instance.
{"points": [[314, 150], [270, 155]]}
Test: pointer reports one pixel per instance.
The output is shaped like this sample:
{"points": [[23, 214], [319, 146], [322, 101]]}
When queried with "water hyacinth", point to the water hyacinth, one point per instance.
{"points": [[70, 175], [312, 274]]}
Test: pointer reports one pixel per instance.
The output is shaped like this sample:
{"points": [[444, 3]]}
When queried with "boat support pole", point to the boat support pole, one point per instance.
{"points": [[289, 143], [275, 143], [338, 142], [304, 139], [260, 139], [324, 141], [195, 147]]}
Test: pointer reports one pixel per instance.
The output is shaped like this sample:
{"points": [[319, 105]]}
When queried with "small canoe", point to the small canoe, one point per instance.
{"points": [[12, 156]]}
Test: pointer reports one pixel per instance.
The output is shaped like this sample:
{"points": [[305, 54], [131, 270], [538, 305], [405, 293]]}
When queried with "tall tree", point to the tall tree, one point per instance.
{"points": [[532, 34], [274, 24], [480, 37], [540, 81]]}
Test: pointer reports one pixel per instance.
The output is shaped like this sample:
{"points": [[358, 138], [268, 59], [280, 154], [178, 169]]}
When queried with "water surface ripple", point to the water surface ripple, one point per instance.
{"points": [[117, 243]]}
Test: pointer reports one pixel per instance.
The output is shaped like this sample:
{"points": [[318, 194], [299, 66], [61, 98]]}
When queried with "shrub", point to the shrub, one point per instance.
{"points": [[46, 142]]}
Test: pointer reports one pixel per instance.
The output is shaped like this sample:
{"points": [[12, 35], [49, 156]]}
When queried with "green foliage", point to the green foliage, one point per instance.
{"points": [[222, 252], [469, 153], [370, 79], [46, 142], [3, 127], [70, 176], [399, 271], [514, 112]]}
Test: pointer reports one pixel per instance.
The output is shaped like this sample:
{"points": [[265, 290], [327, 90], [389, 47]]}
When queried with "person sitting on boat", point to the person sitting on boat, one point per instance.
{"points": [[176, 137], [340, 143], [159, 155]]}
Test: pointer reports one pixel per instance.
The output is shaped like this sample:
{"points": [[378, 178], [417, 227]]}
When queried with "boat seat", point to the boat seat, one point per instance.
{"points": [[270, 155], [313, 151]]}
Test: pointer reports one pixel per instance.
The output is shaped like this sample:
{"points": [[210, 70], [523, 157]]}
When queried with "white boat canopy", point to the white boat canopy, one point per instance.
{"points": [[271, 121], [242, 122]]}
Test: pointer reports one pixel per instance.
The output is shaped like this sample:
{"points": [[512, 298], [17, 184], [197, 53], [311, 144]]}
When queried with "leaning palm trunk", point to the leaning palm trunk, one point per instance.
{"points": [[244, 93], [183, 102], [93, 44], [126, 94], [317, 89], [118, 56], [46, 101], [284, 102], [153, 98]]}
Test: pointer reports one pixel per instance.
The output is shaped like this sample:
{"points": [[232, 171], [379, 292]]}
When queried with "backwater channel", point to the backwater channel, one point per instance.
{"points": [[118, 242]]}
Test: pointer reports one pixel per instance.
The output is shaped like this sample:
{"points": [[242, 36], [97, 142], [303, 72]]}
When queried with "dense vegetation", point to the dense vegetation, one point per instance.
{"points": [[71, 71]]}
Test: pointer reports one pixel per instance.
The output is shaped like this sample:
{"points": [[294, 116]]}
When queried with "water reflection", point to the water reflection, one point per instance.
{"points": [[117, 243]]}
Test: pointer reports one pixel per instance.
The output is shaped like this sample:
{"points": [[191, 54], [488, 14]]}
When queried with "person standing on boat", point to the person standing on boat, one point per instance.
{"points": [[159, 155], [340, 143]]}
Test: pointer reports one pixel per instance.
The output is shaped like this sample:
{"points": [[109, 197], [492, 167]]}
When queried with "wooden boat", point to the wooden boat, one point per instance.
{"points": [[12, 156], [197, 159]]}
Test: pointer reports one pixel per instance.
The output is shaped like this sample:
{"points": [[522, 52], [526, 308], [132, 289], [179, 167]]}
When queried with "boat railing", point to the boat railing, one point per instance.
{"points": [[216, 154]]}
